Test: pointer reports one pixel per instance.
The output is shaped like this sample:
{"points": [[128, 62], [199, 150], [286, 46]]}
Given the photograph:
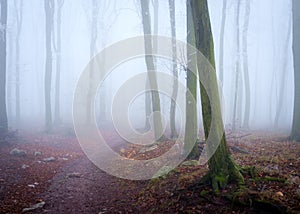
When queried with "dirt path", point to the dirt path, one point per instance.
{"points": [[80, 187]]}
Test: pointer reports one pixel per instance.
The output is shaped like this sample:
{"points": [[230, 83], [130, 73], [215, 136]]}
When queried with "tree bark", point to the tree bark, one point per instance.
{"points": [[222, 168], [295, 135], [191, 125], [3, 25]]}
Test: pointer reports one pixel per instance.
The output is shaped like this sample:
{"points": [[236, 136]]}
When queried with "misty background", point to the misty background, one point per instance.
{"points": [[268, 42]]}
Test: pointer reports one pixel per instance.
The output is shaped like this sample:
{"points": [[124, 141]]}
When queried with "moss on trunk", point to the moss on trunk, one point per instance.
{"points": [[222, 167]]}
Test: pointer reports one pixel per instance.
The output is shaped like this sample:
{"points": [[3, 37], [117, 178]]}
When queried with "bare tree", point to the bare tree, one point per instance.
{"points": [[284, 72], [222, 38], [57, 118], [295, 135], [222, 168], [174, 70], [49, 11], [237, 68], [245, 65], [19, 21], [3, 25], [158, 129], [191, 126]]}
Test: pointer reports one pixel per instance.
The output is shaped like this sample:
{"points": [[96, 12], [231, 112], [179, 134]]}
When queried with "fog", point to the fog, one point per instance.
{"points": [[269, 50]]}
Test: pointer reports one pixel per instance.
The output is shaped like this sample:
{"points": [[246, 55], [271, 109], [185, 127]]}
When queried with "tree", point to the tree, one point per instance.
{"points": [[49, 11], [3, 25], [174, 70], [245, 65], [237, 68], [284, 75], [157, 122], [222, 38], [222, 168], [191, 126], [295, 135], [57, 118], [19, 20]]}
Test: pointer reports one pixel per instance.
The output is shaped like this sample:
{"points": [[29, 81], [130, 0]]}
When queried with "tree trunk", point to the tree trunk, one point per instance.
{"points": [[295, 135], [3, 23], [284, 74], [158, 129], [19, 18], [94, 35], [174, 70], [191, 125], [57, 118], [221, 165], [10, 61], [246, 69], [237, 68], [222, 37], [49, 7]]}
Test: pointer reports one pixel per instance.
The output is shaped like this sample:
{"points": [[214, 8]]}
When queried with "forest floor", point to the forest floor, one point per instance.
{"points": [[52, 173]]}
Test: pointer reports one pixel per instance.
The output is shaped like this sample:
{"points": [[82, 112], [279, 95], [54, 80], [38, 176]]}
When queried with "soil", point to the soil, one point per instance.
{"points": [[73, 184]]}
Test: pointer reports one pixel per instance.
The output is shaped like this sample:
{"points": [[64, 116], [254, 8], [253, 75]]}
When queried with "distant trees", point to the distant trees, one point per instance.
{"points": [[295, 135], [222, 167], [174, 70], [3, 28], [245, 64], [157, 120], [237, 86], [222, 38], [19, 21], [57, 116], [49, 11]]}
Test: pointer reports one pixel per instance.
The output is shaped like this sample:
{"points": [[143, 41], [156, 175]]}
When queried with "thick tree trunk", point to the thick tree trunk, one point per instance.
{"points": [[174, 70], [3, 23], [158, 129], [222, 167], [246, 70], [49, 7], [191, 125], [57, 118], [295, 135]]}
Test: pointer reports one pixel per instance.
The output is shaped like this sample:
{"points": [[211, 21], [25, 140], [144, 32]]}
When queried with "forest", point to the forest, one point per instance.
{"points": [[148, 106]]}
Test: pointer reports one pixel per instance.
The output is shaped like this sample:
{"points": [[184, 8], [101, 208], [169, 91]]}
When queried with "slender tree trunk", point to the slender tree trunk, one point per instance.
{"points": [[174, 70], [295, 135], [222, 37], [94, 35], [57, 118], [237, 67], [158, 129], [246, 69], [191, 125], [284, 74], [221, 165], [3, 23], [49, 10], [19, 18], [9, 83]]}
